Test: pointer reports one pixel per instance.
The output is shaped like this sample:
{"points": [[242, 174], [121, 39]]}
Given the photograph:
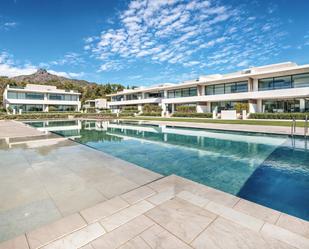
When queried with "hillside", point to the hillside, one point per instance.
{"points": [[43, 77], [89, 90]]}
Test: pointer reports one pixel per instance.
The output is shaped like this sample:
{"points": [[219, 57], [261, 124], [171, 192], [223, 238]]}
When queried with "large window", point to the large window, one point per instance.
{"points": [[27, 108], [237, 87], [62, 108], [300, 80], [117, 98], [184, 92], [22, 95], [281, 105], [159, 94], [284, 82], [225, 105], [65, 97]]}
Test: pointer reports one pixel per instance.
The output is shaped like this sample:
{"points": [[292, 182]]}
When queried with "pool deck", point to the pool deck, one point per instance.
{"points": [[104, 202], [282, 130]]}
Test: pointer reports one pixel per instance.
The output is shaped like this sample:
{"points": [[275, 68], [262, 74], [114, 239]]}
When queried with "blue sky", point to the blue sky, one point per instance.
{"points": [[145, 42]]}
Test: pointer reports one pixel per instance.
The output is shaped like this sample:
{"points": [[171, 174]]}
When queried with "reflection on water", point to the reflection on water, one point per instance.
{"points": [[230, 161]]}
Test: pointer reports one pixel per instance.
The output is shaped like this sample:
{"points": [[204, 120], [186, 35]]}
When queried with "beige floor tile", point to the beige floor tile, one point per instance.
{"points": [[73, 201], [135, 243], [103, 209], [225, 234], [163, 183], [43, 235], [163, 196], [19, 242], [122, 234], [294, 224], [89, 246], [125, 215], [138, 194], [219, 197], [181, 218], [286, 236], [79, 238], [192, 198], [115, 185], [235, 216], [263, 213], [157, 237]]}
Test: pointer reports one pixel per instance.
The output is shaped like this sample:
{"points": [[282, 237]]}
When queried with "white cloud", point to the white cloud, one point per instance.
{"points": [[9, 68], [68, 59], [8, 25], [12, 71], [66, 74]]}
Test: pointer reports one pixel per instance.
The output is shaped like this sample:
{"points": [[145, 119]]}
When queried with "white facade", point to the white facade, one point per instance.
{"points": [[96, 103], [43, 98], [280, 87]]}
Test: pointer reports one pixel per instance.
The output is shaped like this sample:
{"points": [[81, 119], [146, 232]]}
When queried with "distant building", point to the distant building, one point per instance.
{"points": [[96, 104], [282, 87], [40, 98]]}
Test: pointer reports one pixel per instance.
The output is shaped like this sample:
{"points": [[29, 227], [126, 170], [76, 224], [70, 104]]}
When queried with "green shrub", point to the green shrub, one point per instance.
{"points": [[239, 107], [193, 115], [130, 108], [156, 114], [296, 115], [186, 109], [148, 108], [59, 115]]}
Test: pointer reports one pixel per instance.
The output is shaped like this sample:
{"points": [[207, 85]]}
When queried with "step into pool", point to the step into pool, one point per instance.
{"points": [[271, 170]]}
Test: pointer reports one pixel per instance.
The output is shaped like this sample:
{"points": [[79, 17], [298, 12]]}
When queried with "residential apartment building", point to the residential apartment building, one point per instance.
{"points": [[40, 98], [282, 87]]}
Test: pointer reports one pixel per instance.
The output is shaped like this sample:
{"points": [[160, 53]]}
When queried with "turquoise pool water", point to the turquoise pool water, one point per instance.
{"points": [[270, 170]]}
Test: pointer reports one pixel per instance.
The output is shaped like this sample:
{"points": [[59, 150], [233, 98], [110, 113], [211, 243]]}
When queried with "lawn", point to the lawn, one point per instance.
{"points": [[299, 123]]}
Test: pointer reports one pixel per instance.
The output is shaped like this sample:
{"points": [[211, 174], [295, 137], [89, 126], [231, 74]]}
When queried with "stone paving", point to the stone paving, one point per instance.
{"points": [[82, 198], [171, 212]]}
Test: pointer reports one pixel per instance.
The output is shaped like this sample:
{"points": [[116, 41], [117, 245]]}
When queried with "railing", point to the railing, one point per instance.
{"points": [[306, 126], [293, 127]]}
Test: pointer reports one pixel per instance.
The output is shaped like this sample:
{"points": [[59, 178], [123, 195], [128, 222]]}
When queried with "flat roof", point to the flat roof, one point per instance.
{"points": [[41, 89], [245, 74]]}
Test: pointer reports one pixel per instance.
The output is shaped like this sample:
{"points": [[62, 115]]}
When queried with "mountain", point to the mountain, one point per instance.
{"points": [[44, 77]]}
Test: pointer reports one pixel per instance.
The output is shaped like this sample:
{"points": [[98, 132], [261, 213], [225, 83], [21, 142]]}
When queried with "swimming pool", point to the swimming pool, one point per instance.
{"points": [[271, 170]]}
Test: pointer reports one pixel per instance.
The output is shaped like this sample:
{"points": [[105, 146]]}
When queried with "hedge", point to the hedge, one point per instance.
{"points": [[56, 115], [186, 109], [193, 115], [296, 115], [156, 114]]}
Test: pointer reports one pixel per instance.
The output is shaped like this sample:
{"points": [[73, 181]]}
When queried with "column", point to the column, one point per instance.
{"points": [[140, 108], [252, 106], [302, 105], [201, 107], [259, 107], [164, 109]]}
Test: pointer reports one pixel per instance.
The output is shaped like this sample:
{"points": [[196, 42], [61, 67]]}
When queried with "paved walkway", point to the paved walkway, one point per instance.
{"points": [[12, 129], [284, 130], [170, 213]]}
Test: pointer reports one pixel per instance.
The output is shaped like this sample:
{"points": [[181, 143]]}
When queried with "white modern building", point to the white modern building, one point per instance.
{"points": [[40, 98], [96, 104], [282, 87]]}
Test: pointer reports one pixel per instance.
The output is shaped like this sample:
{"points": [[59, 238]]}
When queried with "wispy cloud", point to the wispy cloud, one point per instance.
{"points": [[68, 59], [196, 33], [7, 25]]}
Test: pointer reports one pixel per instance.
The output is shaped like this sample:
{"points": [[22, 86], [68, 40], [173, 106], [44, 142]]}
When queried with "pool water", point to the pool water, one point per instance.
{"points": [[269, 170]]}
